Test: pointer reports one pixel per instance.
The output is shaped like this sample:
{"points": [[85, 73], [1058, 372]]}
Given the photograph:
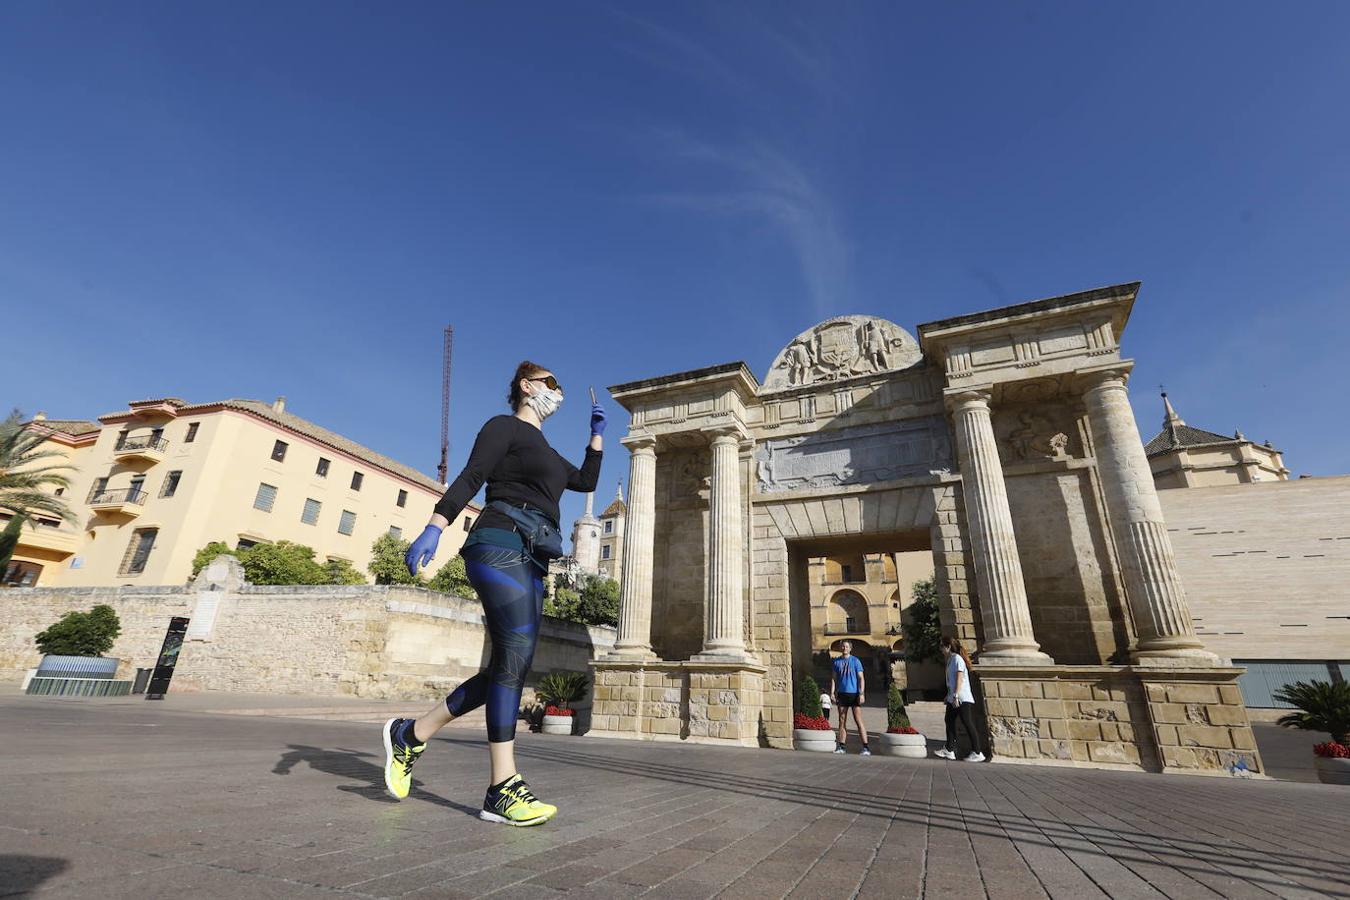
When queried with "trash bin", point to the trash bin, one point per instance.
{"points": [[142, 680]]}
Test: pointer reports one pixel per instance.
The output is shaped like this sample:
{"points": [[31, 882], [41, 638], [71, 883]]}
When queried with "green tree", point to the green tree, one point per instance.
{"points": [[452, 579], [340, 571], [923, 630], [808, 698], [81, 633], [599, 601], [1323, 706], [387, 565], [563, 603], [896, 717], [28, 473], [283, 562], [208, 553], [9, 539]]}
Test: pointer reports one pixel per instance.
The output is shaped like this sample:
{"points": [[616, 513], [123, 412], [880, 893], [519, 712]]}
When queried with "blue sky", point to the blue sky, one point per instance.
{"points": [[294, 198]]}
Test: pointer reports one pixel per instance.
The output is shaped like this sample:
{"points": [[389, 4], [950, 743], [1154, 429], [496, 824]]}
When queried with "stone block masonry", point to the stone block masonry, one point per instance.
{"points": [[375, 641], [1157, 719]]}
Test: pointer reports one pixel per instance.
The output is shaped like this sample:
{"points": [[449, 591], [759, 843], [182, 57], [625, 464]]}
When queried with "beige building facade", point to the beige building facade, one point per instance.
{"points": [[1002, 443], [609, 562], [864, 598], [159, 480], [1181, 456]]}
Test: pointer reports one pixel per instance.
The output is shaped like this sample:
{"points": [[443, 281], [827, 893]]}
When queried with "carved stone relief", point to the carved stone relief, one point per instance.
{"points": [[857, 455], [842, 348], [1027, 433]]}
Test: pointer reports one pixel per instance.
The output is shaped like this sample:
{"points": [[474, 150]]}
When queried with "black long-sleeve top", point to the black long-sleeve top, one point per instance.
{"points": [[519, 467]]}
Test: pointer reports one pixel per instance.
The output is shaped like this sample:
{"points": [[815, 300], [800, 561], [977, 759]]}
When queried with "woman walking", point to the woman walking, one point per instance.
{"points": [[960, 701], [505, 555]]}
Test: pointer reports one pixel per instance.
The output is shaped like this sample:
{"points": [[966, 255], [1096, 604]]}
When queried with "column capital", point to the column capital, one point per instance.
{"points": [[1115, 374], [959, 399], [727, 430], [640, 442]]}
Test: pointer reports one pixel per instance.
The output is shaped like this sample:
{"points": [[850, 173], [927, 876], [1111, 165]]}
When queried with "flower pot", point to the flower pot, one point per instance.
{"points": [[813, 739], [1331, 770], [912, 746], [557, 724]]}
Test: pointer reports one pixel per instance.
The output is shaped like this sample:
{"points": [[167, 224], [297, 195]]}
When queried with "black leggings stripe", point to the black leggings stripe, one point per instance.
{"points": [[512, 593]]}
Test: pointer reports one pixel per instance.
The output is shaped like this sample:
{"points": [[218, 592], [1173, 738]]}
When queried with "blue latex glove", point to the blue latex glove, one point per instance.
{"points": [[598, 421], [422, 549]]}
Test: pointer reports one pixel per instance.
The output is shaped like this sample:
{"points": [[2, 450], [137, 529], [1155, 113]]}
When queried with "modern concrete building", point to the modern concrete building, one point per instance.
{"points": [[155, 482]]}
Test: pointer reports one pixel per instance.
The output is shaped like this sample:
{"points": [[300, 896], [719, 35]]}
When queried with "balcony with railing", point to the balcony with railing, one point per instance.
{"points": [[148, 447], [128, 501]]}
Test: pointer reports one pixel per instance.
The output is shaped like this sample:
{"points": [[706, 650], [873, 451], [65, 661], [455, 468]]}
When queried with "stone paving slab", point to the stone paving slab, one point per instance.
{"points": [[124, 800]]}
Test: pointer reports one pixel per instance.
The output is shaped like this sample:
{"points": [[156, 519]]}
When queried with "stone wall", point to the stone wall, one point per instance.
{"points": [[1169, 720], [1266, 566], [363, 640], [1075, 603], [688, 701]]}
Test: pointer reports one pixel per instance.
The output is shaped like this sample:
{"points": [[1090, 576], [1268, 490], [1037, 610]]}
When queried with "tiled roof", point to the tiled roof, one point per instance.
{"points": [[1176, 437], [67, 426], [616, 508]]}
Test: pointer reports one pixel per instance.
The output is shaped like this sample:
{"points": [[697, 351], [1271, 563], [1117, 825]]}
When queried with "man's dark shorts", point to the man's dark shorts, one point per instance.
{"points": [[847, 700]]}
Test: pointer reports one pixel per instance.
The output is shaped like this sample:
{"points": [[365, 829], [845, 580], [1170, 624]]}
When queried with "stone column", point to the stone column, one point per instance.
{"points": [[998, 571], [634, 640], [724, 613], [1152, 584]]}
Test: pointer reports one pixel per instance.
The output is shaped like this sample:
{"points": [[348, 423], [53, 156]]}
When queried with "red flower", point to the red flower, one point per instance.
{"points": [[902, 729], [1332, 750], [556, 711], [819, 723]]}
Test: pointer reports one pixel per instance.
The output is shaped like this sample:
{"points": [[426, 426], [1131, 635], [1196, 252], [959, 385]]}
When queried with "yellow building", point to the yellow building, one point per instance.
{"points": [[1185, 457], [863, 598], [156, 482]]}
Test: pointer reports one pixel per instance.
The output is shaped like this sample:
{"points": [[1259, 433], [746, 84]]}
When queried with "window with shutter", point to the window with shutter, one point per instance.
{"points": [[402, 498], [279, 451], [267, 495], [311, 514], [348, 522], [395, 532]]}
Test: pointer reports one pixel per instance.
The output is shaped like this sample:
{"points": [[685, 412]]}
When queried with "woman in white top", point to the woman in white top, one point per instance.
{"points": [[960, 701]]}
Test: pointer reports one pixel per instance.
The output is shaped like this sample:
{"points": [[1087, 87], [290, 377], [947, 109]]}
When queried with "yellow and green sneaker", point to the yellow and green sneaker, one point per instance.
{"points": [[513, 803], [398, 759]]}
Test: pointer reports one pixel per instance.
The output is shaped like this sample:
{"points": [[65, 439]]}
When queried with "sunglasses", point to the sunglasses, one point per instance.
{"points": [[549, 381]]}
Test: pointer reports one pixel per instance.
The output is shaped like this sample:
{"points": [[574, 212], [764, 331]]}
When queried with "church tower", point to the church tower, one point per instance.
{"points": [[586, 539]]}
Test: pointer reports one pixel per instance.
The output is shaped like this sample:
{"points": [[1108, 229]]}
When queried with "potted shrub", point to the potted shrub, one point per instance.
{"points": [[901, 737], [810, 729], [77, 642], [558, 691], [1323, 706]]}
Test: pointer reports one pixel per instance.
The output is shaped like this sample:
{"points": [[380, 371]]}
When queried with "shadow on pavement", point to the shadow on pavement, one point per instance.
{"points": [[352, 764], [20, 874], [1185, 852]]}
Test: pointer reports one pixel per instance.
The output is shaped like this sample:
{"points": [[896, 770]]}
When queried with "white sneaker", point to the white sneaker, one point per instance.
{"points": [[944, 753], [975, 757], [865, 752], [840, 750]]}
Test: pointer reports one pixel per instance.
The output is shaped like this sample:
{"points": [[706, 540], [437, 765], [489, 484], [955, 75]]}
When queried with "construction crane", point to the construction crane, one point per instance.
{"points": [[442, 469]]}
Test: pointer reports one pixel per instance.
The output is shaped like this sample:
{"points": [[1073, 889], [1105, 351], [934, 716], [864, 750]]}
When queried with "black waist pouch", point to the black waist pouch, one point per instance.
{"points": [[539, 533]]}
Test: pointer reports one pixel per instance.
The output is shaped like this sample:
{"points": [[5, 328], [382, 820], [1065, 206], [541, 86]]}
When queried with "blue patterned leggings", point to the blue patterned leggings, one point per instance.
{"points": [[512, 592]]}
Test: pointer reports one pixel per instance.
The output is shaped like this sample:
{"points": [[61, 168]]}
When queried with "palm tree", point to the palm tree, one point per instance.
{"points": [[1324, 705], [26, 469]]}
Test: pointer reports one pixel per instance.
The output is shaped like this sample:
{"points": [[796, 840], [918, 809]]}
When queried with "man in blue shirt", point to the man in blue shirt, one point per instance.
{"points": [[847, 687]]}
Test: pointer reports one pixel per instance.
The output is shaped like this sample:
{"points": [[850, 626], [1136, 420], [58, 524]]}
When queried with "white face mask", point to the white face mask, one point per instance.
{"points": [[545, 402]]}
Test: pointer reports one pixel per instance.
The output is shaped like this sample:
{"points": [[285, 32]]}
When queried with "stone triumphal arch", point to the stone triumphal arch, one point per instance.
{"points": [[1004, 441]]}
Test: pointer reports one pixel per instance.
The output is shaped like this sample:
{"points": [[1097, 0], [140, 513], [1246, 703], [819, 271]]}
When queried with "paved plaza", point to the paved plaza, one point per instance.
{"points": [[137, 799]]}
